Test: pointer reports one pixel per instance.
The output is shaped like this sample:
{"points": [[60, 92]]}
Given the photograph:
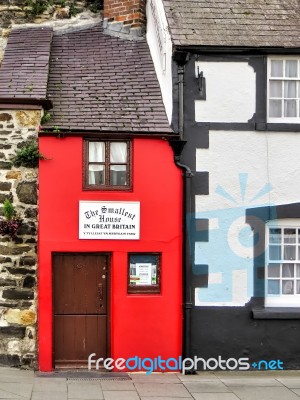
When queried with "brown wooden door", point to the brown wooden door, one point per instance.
{"points": [[80, 307]]}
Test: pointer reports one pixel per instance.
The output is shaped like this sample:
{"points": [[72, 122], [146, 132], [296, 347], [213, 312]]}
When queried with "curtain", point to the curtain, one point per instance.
{"points": [[96, 151], [118, 152]]}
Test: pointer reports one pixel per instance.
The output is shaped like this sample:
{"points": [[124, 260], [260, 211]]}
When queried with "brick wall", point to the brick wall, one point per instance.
{"points": [[125, 15]]}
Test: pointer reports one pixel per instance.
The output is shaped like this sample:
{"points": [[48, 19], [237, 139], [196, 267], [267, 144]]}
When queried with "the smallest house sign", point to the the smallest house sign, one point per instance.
{"points": [[109, 220]]}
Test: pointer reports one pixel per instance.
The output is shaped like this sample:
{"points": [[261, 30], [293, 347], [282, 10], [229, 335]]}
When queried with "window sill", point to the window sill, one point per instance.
{"points": [[276, 313]]}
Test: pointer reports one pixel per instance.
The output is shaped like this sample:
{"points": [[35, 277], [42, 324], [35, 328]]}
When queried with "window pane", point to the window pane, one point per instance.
{"points": [[96, 151], [298, 235], [290, 89], [118, 175], [276, 89], [298, 287], [289, 235], [290, 108], [96, 174], [276, 68], [274, 271], [298, 270], [287, 287], [291, 68], [289, 253], [274, 253], [275, 235], [275, 108], [273, 286], [287, 270], [118, 152]]}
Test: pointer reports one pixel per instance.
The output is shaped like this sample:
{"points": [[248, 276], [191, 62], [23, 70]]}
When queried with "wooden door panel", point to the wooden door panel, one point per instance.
{"points": [[80, 307], [79, 284], [76, 337]]}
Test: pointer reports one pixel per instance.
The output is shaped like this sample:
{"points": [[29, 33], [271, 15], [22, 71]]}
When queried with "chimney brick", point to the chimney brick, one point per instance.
{"points": [[125, 15]]}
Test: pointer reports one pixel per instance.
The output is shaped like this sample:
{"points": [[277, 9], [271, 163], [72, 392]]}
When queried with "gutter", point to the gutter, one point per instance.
{"points": [[181, 58]]}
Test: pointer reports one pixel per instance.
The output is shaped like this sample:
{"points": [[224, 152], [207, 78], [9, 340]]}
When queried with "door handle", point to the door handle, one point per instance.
{"points": [[100, 291]]}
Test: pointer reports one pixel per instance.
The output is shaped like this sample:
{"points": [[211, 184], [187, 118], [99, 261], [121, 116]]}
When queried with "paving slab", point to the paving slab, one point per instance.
{"points": [[15, 375], [18, 390], [49, 396], [267, 393], [165, 398], [117, 385], [85, 391], [53, 385], [198, 377], [117, 395], [215, 396], [290, 382], [161, 389], [206, 387], [251, 381], [167, 377]]}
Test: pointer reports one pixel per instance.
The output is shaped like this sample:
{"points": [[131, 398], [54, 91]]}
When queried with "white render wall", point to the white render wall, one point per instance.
{"points": [[162, 62], [246, 169], [230, 92]]}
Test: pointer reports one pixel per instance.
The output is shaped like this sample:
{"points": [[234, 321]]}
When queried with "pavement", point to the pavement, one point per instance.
{"points": [[247, 385]]}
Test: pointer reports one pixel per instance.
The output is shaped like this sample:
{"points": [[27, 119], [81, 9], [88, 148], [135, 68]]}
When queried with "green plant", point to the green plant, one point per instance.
{"points": [[74, 10], [56, 129], [95, 5], [46, 117], [8, 209], [10, 221], [27, 156], [36, 6]]}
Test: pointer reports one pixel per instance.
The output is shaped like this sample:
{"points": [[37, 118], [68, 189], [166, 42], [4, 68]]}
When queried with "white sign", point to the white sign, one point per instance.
{"points": [[109, 220], [143, 271]]}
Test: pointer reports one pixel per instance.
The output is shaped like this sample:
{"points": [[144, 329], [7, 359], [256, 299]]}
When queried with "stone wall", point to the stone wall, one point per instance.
{"points": [[18, 258]]}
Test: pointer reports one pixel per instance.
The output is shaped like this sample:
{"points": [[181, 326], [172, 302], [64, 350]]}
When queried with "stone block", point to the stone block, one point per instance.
{"points": [[20, 271], [14, 249], [30, 213], [12, 360], [28, 260], [18, 294], [5, 116], [27, 192], [13, 175], [29, 282], [27, 317], [5, 165], [13, 331], [5, 186], [28, 118], [7, 282]]}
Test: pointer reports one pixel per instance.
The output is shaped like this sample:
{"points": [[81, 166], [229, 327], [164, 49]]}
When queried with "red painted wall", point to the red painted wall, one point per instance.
{"points": [[142, 325]]}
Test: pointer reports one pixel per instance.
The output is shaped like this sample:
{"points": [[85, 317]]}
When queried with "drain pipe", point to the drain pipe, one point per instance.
{"points": [[186, 217]]}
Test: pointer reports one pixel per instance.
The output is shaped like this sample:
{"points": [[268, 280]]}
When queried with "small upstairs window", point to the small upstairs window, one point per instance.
{"points": [[107, 165], [284, 89]]}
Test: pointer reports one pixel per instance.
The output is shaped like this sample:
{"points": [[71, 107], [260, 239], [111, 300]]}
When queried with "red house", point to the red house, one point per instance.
{"points": [[110, 214]]}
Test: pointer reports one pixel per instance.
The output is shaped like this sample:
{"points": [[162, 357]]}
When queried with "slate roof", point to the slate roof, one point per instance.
{"points": [[24, 69], [100, 82], [253, 23]]}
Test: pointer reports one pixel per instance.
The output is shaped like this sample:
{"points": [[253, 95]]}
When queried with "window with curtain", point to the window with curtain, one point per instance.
{"points": [[107, 165], [284, 89], [283, 264]]}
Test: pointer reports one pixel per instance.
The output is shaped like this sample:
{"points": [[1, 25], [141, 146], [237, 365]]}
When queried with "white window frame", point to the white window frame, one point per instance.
{"points": [[282, 300], [283, 119]]}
